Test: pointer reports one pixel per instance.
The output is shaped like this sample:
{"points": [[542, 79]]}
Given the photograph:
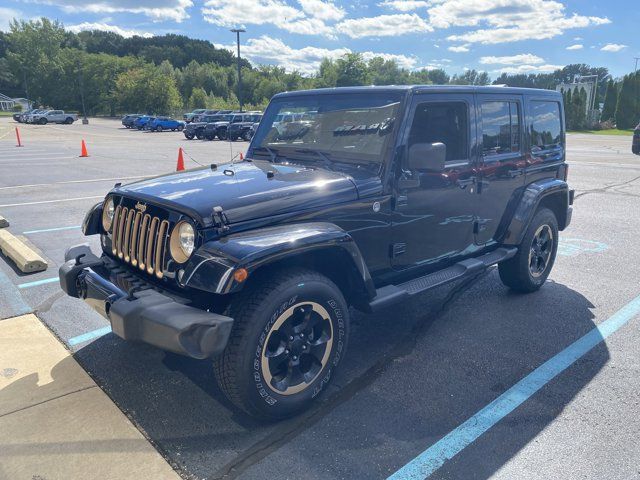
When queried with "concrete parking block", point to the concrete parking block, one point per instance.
{"points": [[24, 257], [56, 423]]}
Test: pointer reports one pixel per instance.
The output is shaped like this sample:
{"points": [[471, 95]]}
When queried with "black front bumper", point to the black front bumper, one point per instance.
{"points": [[142, 313]]}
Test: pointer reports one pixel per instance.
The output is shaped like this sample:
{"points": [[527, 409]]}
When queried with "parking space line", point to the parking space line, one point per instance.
{"points": [[57, 229], [37, 283], [85, 337], [50, 201], [465, 434], [74, 181]]}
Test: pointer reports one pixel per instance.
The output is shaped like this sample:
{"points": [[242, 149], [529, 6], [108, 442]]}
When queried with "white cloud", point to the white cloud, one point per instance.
{"points": [[305, 60], [6, 15], [577, 46], [383, 25], [522, 59], [157, 10], [107, 28], [404, 5], [613, 47], [529, 69], [506, 20], [459, 48], [274, 12], [322, 10]]}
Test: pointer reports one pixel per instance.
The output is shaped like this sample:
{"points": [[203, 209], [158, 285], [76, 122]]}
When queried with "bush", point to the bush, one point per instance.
{"points": [[605, 125], [17, 107]]}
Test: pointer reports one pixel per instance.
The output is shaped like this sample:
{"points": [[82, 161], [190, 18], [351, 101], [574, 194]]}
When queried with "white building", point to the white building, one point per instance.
{"points": [[6, 103]]}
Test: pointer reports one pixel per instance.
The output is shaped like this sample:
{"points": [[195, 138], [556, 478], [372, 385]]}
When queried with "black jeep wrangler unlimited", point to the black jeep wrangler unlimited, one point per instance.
{"points": [[387, 192]]}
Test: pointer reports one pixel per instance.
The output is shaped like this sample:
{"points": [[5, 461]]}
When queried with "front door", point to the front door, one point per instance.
{"points": [[434, 214], [502, 163]]}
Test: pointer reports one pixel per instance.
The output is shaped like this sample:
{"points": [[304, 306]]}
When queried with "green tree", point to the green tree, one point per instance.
{"points": [[610, 102], [198, 98], [628, 106], [351, 70]]}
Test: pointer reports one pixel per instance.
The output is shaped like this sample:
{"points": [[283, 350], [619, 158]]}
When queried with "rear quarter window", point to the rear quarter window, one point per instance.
{"points": [[546, 125]]}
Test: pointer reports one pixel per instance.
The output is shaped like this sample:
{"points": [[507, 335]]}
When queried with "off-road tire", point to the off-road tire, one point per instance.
{"points": [[222, 134], [246, 136], [188, 136], [516, 273], [239, 370]]}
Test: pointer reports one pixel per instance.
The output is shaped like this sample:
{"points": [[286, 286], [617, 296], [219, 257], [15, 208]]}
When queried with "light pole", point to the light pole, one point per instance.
{"points": [[237, 31], [636, 67]]}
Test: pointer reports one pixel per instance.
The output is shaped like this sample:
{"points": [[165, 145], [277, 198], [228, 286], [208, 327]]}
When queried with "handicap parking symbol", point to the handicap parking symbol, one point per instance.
{"points": [[572, 247]]}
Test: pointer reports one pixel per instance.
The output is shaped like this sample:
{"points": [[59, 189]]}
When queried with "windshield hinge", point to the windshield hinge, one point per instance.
{"points": [[220, 220]]}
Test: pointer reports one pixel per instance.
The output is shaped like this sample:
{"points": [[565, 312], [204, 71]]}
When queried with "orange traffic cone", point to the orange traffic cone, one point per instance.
{"points": [[241, 156], [18, 137], [180, 165], [83, 150]]}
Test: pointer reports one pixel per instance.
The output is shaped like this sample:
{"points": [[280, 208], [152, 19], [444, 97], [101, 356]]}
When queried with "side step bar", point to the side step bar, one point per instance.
{"points": [[391, 294]]}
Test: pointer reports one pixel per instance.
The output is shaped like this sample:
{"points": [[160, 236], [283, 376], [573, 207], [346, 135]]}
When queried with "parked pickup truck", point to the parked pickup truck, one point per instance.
{"points": [[387, 193], [188, 117], [53, 116], [635, 145]]}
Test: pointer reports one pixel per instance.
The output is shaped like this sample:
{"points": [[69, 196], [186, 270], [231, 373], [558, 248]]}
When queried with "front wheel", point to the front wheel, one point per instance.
{"points": [[222, 134], [159, 128], [246, 136], [180, 128], [289, 334], [529, 269], [43, 121]]}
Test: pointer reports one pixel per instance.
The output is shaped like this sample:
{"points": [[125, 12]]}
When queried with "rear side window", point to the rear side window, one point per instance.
{"points": [[546, 128], [446, 122], [500, 128]]}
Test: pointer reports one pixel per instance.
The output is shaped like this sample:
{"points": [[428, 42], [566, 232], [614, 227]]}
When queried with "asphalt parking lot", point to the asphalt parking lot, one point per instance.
{"points": [[413, 374]]}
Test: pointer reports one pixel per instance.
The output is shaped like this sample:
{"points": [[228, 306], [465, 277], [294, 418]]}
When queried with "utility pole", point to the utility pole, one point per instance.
{"points": [[85, 120], [636, 67], [238, 31]]}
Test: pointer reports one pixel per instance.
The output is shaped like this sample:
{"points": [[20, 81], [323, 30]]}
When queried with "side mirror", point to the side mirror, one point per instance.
{"points": [[427, 156]]}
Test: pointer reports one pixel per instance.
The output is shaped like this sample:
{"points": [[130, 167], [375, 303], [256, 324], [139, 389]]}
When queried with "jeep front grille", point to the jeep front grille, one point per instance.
{"points": [[140, 239]]}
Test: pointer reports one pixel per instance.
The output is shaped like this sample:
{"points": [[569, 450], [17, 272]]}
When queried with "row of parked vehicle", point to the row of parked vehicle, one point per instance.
{"points": [[152, 123], [44, 116], [221, 124]]}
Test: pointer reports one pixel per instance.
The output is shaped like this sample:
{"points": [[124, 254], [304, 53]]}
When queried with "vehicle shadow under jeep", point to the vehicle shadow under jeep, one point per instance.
{"points": [[412, 373]]}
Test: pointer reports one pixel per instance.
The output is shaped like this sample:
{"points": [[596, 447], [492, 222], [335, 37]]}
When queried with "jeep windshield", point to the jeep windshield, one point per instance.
{"points": [[345, 127]]}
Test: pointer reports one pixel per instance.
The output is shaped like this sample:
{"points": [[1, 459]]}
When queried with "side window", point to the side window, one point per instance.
{"points": [[444, 122], [546, 128], [500, 128]]}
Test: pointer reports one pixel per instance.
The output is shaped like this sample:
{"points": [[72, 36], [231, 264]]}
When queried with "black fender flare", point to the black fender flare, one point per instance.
{"points": [[92, 223], [534, 194], [211, 266]]}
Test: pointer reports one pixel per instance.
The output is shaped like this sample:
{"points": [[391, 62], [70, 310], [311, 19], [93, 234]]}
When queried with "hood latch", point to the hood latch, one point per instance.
{"points": [[220, 220]]}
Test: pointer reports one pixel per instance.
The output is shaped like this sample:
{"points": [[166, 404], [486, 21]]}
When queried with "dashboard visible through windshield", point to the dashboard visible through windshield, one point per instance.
{"points": [[342, 126]]}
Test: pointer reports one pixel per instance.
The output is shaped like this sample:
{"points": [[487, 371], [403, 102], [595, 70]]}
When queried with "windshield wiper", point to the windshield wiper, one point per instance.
{"points": [[323, 156], [272, 153]]}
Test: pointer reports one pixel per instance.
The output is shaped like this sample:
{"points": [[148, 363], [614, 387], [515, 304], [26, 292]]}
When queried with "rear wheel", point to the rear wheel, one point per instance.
{"points": [[529, 269], [289, 334], [180, 128], [43, 121], [159, 128], [69, 121], [222, 134]]}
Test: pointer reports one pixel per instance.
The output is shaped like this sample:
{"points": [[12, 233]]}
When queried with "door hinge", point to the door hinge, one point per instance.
{"points": [[397, 249], [476, 227]]}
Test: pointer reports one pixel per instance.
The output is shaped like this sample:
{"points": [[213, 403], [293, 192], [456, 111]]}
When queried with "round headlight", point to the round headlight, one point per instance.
{"points": [[108, 210], [182, 242]]}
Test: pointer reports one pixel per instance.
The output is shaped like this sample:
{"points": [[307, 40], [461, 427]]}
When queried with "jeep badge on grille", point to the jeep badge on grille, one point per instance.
{"points": [[141, 206]]}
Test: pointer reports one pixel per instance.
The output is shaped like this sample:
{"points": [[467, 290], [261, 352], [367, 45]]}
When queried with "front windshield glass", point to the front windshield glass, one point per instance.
{"points": [[345, 125]]}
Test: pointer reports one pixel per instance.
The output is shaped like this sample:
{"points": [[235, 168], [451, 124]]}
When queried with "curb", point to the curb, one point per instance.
{"points": [[24, 257]]}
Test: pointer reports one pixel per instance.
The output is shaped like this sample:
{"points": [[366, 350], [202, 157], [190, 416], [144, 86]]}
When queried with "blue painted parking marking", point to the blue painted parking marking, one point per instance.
{"points": [[37, 283], [572, 247], [85, 337], [465, 434], [57, 229]]}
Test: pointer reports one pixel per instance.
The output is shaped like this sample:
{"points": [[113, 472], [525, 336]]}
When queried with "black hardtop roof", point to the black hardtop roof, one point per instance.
{"points": [[491, 89]]}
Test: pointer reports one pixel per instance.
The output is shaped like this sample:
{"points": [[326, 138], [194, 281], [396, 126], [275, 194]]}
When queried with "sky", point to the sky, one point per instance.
{"points": [[512, 36]]}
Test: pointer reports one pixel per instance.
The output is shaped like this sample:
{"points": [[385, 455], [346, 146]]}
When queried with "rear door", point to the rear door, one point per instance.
{"points": [[501, 165]]}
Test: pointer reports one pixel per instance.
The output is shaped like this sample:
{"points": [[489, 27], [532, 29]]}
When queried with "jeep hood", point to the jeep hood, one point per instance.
{"points": [[245, 191]]}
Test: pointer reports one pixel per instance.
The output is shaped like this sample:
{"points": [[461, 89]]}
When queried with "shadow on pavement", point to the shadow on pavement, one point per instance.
{"points": [[411, 375]]}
